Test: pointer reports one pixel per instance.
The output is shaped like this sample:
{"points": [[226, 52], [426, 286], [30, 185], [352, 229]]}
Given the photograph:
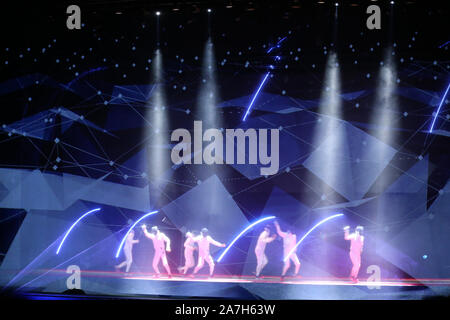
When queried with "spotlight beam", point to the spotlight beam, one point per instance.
{"points": [[256, 94], [311, 230], [131, 228], [439, 109], [72, 226], [242, 233]]}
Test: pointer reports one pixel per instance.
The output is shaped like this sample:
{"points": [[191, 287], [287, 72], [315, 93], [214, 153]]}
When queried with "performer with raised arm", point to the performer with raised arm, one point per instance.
{"points": [[261, 258], [161, 243], [289, 242], [204, 240], [128, 251], [189, 248], [356, 248]]}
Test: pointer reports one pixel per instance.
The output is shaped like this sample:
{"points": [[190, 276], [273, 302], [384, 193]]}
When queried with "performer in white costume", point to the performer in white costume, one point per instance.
{"points": [[161, 243], [289, 242], [128, 251], [261, 258], [204, 240], [189, 248], [356, 248]]}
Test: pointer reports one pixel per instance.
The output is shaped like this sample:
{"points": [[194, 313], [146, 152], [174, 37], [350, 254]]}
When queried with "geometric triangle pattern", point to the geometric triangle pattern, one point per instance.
{"points": [[28, 189]]}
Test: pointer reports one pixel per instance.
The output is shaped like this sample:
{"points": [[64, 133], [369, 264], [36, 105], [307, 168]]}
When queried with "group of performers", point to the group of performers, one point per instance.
{"points": [[202, 242], [161, 244]]}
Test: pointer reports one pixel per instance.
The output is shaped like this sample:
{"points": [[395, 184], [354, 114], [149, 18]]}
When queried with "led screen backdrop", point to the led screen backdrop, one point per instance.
{"points": [[355, 121]]}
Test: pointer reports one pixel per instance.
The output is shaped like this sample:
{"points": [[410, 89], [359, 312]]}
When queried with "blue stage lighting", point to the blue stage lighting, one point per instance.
{"points": [[72, 226], [256, 94], [439, 108]]}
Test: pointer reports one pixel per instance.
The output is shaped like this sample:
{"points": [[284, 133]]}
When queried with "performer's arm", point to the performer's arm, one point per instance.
{"points": [[186, 243], [146, 233], [280, 233], [270, 239], [166, 238], [216, 243], [347, 235]]}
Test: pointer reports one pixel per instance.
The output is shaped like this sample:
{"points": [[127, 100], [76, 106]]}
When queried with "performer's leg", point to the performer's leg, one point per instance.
{"points": [[262, 262], [259, 263], [358, 265], [356, 261], [200, 264], [210, 261], [121, 265], [165, 263], [351, 259], [189, 262], [183, 269], [129, 261], [287, 264], [156, 258], [294, 258]]}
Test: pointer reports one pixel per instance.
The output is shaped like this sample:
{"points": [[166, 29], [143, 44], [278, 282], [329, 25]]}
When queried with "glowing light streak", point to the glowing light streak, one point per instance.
{"points": [[241, 234], [311, 230]]}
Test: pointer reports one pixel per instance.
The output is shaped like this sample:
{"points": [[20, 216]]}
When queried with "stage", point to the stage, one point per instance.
{"points": [[297, 137], [142, 285]]}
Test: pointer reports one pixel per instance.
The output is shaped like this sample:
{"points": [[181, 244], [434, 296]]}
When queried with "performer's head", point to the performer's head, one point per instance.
{"points": [[189, 234], [288, 231], [155, 230], [205, 232], [267, 229], [131, 234], [359, 230]]}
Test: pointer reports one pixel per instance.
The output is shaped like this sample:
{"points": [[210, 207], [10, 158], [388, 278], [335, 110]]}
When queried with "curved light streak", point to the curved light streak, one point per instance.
{"points": [[72, 226], [131, 228], [439, 109], [241, 234], [256, 94], [311, 230]]}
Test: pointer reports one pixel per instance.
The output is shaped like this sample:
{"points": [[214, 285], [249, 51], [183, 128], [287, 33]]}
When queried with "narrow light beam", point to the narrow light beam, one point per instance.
{"points": [[72, 226], [277, 45], [311, 230], [281, 40], [439, 109], [241, 234], [442, 45], [131, 228], [256, 94]]}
